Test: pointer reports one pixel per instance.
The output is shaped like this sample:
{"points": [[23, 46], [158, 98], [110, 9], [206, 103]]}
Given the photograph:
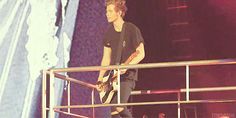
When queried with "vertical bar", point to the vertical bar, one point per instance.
{"points": [[187, 82], [44, 94], [68, 95], [195, 112], [52, 95], [178, 105], [93, 103], [118, 87]]}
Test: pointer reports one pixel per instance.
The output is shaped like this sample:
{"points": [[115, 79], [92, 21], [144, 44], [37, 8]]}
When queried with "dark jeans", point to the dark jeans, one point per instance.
{"points": [[126, 87]]}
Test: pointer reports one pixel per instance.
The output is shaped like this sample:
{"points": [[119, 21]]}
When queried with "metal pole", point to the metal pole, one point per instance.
{"points": [[93, 102], [148, 65], [118, 87], [68, 96], [44, 94], [148, 103], [187, 82], [52, 95], [179, 114]]}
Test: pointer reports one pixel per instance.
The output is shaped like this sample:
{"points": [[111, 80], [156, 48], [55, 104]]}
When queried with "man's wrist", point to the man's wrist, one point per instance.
{"points": [[98, 82]]}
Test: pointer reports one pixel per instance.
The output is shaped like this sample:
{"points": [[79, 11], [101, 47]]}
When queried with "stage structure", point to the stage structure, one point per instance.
{"points": [[55, 73]]}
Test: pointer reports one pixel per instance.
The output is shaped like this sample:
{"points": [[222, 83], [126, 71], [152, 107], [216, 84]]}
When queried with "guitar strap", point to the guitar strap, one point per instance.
{"points": [[120, 45]]}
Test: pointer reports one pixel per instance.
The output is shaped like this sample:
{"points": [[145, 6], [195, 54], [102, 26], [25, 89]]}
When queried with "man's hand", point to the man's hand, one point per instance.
{"points": [[99, 86], [123, 71]]}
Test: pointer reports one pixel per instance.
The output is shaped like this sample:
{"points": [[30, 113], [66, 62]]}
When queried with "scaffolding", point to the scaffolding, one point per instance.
{"points": [[179, 29]]}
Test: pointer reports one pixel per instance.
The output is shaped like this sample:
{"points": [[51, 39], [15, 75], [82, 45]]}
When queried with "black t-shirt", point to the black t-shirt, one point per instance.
{"points": [[132, 39]]}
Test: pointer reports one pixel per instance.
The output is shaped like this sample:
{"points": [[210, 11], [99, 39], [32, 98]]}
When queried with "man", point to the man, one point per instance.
{"points": [[132, 42]]}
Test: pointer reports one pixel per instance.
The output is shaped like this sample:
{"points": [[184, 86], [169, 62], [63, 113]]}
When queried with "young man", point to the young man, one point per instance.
{"points": [[132, 42]]}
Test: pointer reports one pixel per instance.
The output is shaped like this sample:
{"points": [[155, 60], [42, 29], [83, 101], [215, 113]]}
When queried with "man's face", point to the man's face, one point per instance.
{"points": [[111, 14]]}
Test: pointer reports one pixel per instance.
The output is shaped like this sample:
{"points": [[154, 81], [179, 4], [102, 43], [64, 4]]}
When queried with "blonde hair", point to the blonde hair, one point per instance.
{"points": [[119, 5]]}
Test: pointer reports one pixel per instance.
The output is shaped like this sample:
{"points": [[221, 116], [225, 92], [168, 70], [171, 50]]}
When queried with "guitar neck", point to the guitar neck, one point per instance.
{"points": [[131, 57]]}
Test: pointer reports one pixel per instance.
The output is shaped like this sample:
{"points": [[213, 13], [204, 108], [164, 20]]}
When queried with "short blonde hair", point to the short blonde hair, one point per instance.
{"points": [[119, 5]]}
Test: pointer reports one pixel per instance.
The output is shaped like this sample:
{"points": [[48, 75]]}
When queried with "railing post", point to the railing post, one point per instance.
{"points": [[179, 110], [187, 82], [52, 95], [118, 88], [44, 94], [93, 98], [68, 95]]}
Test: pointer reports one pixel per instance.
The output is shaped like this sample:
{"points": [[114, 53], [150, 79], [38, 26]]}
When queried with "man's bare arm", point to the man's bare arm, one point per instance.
{"points": [[106, 59], [140, 56]]}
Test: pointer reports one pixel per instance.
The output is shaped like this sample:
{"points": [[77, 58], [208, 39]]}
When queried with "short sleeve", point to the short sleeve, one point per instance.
{"points": [[107, 37], [137, 37], [106, 42]]}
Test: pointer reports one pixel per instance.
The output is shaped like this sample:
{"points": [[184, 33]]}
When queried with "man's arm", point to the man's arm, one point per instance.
{"points": [[106, 59], [140, 56]]}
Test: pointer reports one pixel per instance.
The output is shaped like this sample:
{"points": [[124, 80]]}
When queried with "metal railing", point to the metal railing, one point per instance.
{"points": [[54, 73]]}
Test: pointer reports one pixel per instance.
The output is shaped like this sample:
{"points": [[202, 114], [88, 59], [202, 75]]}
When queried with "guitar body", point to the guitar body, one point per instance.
{"points": [[109, 87], [110, 84]]}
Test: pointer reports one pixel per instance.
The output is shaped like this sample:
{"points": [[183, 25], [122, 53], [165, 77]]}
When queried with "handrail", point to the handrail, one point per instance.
{"points": [[63, 77], [144, 103], [206, 89], [56, 73], [140, 92], [148, 65], [71, 114]]}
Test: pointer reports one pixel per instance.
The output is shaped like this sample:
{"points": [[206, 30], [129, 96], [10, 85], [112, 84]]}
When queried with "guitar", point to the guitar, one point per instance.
{"points": [[109, 84]]}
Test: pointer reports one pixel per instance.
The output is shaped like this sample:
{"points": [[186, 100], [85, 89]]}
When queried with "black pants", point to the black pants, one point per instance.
{"points": [[126, 86]]}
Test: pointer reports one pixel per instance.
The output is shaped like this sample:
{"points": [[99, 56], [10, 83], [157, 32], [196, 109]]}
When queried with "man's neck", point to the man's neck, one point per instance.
{"points": [[118, 24]]}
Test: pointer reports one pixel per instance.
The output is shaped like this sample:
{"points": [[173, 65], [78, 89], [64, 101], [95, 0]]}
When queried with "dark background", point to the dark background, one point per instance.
{"points": [[211, 31], [210, 34]]}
